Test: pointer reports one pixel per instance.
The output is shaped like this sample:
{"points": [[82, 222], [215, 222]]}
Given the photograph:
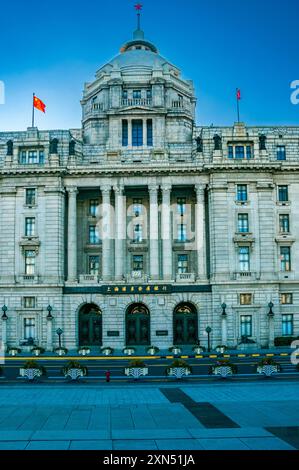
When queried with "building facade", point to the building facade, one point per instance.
{"points": [[143, 228]]}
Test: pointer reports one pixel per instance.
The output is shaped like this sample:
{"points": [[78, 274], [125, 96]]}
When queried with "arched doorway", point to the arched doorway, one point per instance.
{"points": [[138, 325], [185, 324], [90, 325]]}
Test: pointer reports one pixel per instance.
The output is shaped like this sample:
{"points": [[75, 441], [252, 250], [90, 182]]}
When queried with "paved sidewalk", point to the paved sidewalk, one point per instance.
{"points": [[224, 415]]}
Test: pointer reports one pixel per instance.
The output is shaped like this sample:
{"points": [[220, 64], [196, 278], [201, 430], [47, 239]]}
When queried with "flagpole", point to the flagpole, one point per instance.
{"points": [[238, 106], [33, 110]]}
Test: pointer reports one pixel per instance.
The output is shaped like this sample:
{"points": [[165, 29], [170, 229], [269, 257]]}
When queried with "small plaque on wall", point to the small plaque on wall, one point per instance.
{"points": [[162, 333], [112, 333]]}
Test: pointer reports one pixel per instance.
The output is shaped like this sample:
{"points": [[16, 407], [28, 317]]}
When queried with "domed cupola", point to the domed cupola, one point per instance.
{"points": [[139, 43]]}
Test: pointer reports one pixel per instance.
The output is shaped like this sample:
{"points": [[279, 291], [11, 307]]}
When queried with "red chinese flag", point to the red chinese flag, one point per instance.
{"points": [[38, 104], [238, 94]]}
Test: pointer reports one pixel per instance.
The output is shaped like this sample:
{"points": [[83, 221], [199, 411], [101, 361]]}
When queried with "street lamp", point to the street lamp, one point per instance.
{"points": [[208, 331], [59, 332], [4, 310], [270, 313], [49, 316], [223, 306]]}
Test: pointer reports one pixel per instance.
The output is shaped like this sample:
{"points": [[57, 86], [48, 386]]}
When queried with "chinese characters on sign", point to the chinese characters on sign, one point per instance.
{"points": [[137, 289]]}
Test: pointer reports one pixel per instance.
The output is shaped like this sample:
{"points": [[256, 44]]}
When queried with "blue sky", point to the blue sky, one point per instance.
{"points": [[53, 47]]}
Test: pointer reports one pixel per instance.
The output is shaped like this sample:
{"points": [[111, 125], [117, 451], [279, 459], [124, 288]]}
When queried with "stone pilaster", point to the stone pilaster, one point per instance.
{"points": [[49, 334], [106, 234], [200, 231], [166, 232], [154, 233], [120, 231], [72, 234]]}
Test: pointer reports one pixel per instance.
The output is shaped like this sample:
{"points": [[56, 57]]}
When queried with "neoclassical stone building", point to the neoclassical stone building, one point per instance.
{"points": [[143, 228]]}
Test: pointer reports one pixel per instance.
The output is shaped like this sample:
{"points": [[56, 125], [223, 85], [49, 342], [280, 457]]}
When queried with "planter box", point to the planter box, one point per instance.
{"points": [[198, 350], [268, 370], [74, 374], [107, 352], [223, 371], [152, 352], [176, 351], [178, 372], [129, 352], [60, 352], [84, 352], [30, 374], [136, 372]]}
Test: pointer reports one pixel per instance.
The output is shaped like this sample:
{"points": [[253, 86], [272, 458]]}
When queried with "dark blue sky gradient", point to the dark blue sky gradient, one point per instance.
{"points": [[53, 47]]}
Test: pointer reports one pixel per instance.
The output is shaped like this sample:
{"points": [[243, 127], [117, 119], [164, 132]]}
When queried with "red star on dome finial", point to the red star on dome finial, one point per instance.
{"points": [[138, 6]]}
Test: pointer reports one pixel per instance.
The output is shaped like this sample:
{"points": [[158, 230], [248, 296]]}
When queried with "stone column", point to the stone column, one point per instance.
{"points": [[271, 331], [72, 234], [106, 234], [154, 233], [120, 232], [166, 232], [144, 132], [200, 230], [129, 133], [49, 334], [4, 335], [224, 330]]}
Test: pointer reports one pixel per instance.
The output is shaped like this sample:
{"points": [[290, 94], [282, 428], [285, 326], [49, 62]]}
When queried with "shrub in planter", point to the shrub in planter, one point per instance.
{"points": [[84, 351], [107, 351], [32, 369], [74, 370], [175, 350], [221, 349], [199, 349], [61, 351], [179, 368], [136, 369], [152, 350], [223, 368], [129, 350], [13, 351], [37, 350], [268, 366]]}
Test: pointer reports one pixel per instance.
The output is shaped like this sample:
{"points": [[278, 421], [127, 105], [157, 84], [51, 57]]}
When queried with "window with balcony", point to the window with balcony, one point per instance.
{"points": [[181, 206], [286, 298], [29, 328], [93, 207], [30, 197], [137, 207], [284, 223], [29, 302], [246, 325], [182, 233], [283, 193], [244, 258], [245, 299], [285, 258], [125, 94], [138, 233], [149, 132], [287, 325], [30, 256], [243, 223], [183, 264], [94, 238], [242, 193], [125, 133], [94, 265], [30, 157], [137, 132], [136, 94], [239, 152], [29, 226], [281, 152], [138, 263]]}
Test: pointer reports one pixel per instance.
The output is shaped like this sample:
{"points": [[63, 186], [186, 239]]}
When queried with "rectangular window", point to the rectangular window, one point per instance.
{"points": [[30, 262], [30, 197], [181, 205], [284, 223], [136, 94], [137, 207], [182, 232], [242, 195], [149, 132], [93, 207], [245, 299], [244, 258], [125, 94], [246, 325], [137, 262], [230, 151], [94, 238], [124, 133], [29, 302], [287, 325], [41, 157], [29, 226], [149, 94], [137, 133], [138, 233], [281, 152], [183, 264], [286, 298], [239, 151], [243, 223], [29, 328], [283, 193], [285, 258], [32, 156], [94, 265], [248, 152]]}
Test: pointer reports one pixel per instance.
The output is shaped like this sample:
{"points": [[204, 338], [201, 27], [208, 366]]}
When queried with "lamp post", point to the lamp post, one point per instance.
{"points": [[4, 310], [59, 333], [224, 325], [49, 316], [4, 327], [270, 313], [208, 331], [271, 324], [49, 328]]}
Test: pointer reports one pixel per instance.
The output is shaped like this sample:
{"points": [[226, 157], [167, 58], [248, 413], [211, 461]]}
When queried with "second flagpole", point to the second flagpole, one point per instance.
{"points": [[33, 109]]}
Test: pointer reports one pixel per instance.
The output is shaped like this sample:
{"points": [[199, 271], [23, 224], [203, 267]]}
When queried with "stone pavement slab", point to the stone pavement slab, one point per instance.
{"points": [[48, 445], [223, 444], [13, 445], [151, 433], [70, 435], [178, 444], [228, 433], [268, 443], [91, 445], [134, 445]]}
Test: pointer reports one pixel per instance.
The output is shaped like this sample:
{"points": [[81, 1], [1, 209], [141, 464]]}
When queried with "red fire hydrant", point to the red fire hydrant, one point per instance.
{"points": [[107, 373]]}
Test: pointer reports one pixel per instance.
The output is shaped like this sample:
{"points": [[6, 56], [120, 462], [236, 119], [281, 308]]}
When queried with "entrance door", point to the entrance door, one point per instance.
{"points": [[90, 326], [138, 326], [185, 330]]}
